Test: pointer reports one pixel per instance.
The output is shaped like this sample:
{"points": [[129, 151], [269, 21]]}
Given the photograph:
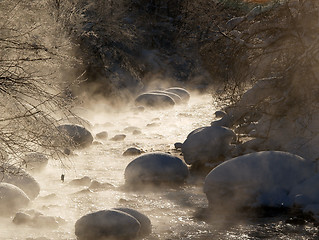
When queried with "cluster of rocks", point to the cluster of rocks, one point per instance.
{"points": [[77, 130], [161, 99], [258, 159], [152, 169], [117, 223], [18, 188]]}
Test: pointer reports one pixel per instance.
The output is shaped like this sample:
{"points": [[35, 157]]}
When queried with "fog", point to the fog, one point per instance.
{"points": [[170, 210]]}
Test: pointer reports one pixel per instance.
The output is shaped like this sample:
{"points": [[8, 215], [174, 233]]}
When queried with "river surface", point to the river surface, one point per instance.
{"points": [[171, 210]]}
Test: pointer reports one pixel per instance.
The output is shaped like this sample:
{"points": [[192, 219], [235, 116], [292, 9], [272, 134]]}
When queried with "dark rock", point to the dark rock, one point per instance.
{"points": [[155, 100], [78, 135], [146, 225], [101, 135], [132, 152], [107, 224], [220, 114], [156, 168], [207, 144], [119, 137], [178, 145]]}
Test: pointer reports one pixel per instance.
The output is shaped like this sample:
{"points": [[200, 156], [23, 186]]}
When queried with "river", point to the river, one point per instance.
{"points": [[171, 210]]}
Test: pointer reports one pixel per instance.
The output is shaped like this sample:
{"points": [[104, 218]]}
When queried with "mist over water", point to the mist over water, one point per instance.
{"points": [[170, 210]]}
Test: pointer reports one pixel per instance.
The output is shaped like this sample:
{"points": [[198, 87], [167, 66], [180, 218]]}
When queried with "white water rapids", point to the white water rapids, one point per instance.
{"points": [[170, 210]]}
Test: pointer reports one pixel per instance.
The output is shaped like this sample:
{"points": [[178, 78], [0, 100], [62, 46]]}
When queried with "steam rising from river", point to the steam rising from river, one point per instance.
{"points": [[170, 210]]}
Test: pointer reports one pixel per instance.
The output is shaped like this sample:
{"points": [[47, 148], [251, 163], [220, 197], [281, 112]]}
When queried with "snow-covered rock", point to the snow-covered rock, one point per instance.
{"points": [[12, 199], [21, 179], [177, 99], [256, 179], [107, 224], [207, 144], [156, 168], [155, 101], [183, 93], [79, 135], [76, 120], [145, 222]]}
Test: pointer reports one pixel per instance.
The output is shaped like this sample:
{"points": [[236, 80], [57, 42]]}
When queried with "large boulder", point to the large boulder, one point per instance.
{"points": [[78, 135], [155, 101], [145, 222], [177, 99], [107, 224], [257, 179], [156, 168], [76, 120], [306, 193], [207, 144], [21, 179], [12, 199], [183, 93]]}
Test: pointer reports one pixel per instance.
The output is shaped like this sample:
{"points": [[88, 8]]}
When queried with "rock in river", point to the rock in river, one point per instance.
{"points": [[156, 168], [107, 224], [155, 101], [12, 199], [79, 135], [207, 144], [257, 179], [21, 179]]}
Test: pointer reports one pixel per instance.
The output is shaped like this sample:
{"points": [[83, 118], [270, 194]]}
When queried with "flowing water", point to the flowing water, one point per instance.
{"points": [[171, 210]]}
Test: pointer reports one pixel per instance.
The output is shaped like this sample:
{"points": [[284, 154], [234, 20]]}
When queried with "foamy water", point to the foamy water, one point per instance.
{"points": [[170, 210]]}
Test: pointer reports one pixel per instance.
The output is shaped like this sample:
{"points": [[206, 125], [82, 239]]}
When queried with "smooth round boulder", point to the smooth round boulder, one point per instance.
{"points": [[177, 99], [156, 168], [145, 222], [257, 179], [76, 120], [107, 224], [132, 151], [21, 179], [35, 162], [155, 101], [207, 144], [12, 199], [78, 135], [118, 137], [183, 93]]}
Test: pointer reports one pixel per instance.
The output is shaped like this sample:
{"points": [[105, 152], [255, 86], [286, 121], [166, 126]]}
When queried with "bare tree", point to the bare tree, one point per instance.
{"points": [[33, 56]]}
